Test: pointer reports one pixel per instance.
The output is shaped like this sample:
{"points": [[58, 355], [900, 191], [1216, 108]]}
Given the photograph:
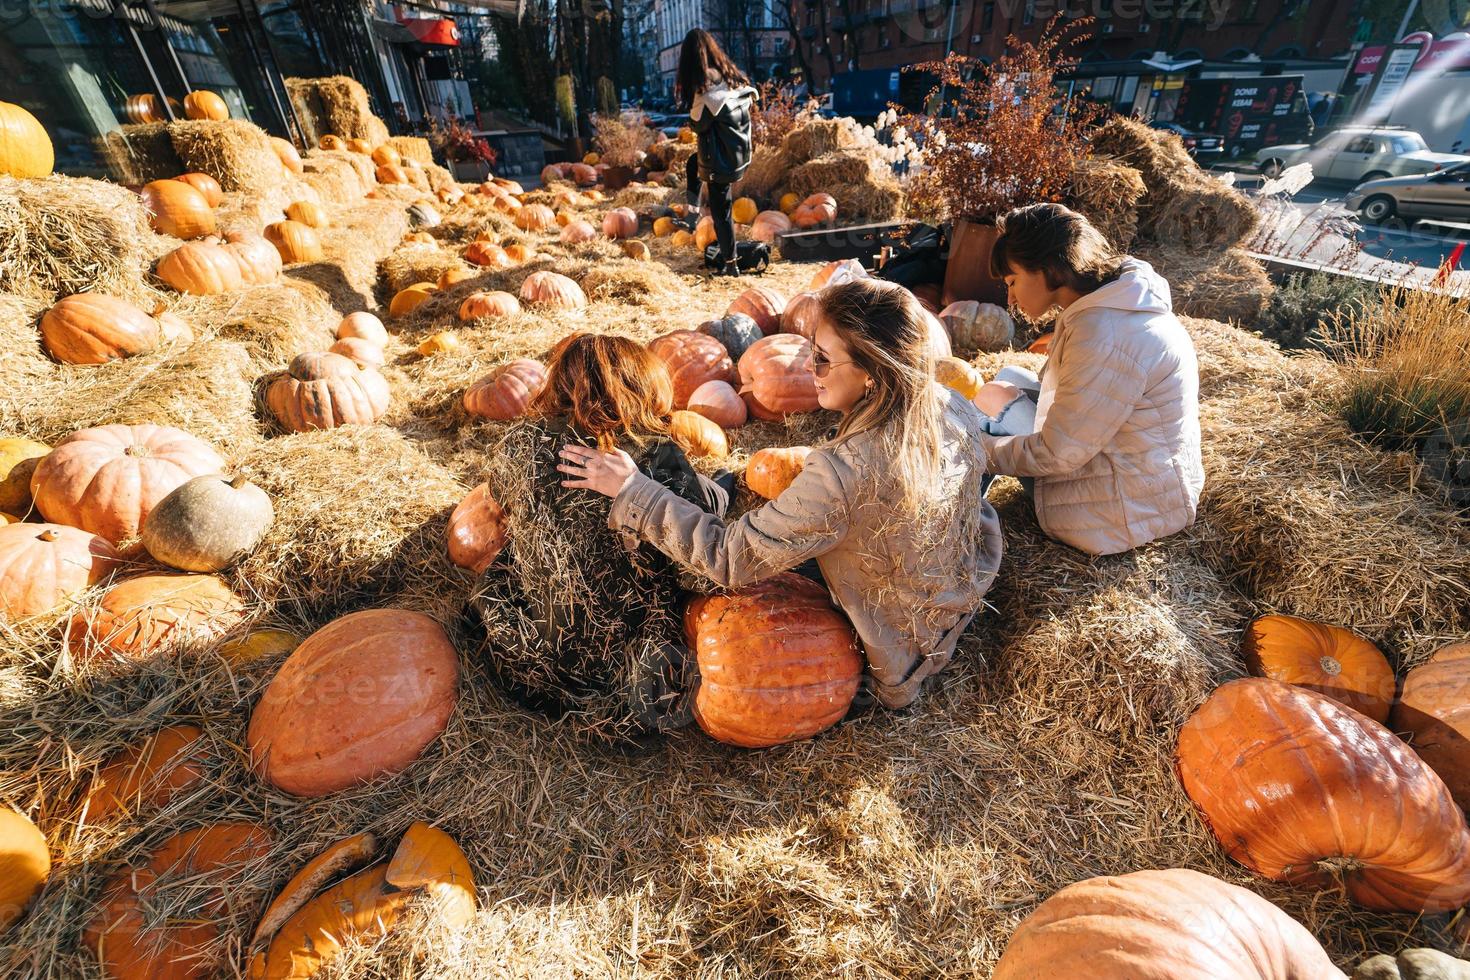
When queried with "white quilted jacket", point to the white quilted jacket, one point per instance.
{"points": [[1116, 451]]}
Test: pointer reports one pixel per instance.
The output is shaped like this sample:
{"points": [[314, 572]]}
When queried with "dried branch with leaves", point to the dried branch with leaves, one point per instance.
{"points": [[621, 139], [777, 113]]}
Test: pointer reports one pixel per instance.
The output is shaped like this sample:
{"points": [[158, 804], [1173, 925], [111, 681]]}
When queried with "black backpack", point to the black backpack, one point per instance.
{"points": [[749, 256]]}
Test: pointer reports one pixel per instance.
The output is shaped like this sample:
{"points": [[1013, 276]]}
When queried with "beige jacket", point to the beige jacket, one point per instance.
{"points": [[1116, 451], [909, 600]]}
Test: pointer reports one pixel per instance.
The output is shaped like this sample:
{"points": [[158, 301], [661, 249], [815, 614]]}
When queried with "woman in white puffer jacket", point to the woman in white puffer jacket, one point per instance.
{"points": [[1114, 441]]}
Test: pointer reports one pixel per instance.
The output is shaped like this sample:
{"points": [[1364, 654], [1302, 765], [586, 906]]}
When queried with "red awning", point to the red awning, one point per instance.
{"points": [[427, 30]]}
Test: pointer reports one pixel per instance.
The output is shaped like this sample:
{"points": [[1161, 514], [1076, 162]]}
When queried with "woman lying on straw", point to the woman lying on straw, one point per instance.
{"points": [[1109, 432], [574, 624], [892, 508]]}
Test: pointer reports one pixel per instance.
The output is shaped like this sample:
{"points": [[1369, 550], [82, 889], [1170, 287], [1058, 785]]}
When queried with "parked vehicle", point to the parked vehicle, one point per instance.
{"points": [[1203, 147], [1355, 154], [1444, 195]]}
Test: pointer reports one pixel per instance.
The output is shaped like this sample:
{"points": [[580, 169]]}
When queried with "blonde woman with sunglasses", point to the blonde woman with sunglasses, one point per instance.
{"points": [[891, 508]]}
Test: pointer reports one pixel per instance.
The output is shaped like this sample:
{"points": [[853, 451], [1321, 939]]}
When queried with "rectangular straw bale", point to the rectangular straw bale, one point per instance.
{"points": [[1212, 284], [337, 105], [1108, 192], [234, 152], [137, 153], [412, 148]]}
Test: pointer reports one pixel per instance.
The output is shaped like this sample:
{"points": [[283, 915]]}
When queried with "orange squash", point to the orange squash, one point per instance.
{"points": [[206, 185], [309, 213], [362, 352], [295, 241], [392, 175], [148, 774], [347, 853], [505, 392], [331, 142], [1434, 714], [487, 254], [489, 305], [18, 459], [692, 359], [25, 146], [155, 920], [1174, 923], [427, 862], [620, 223], [356, 144], [744, 210], [636, 250], [552, 290], [1327, 659], [361, 697], [258, 259], [201, 269], [176, 208], [410, 298], [776, 377], [387, 156], [325, 390], [140, 616], [477, 530], [577, 232], [286, 152], [763, 305], [771, 471], [519, 253], [455, 275], [44, 566], [1300, 788], [776, 663], [768, 226], [663, 227], [363, 325], [720, 403], [203, 104], [704, 233], [441, 342], [802, 314], [789, 202], [25, 864], [106, 480], [535, 217], [697, 435], [90, 328]]}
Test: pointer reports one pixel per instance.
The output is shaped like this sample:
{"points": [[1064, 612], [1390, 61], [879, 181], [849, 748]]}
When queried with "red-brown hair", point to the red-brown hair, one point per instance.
{"points": [[606, 386]]}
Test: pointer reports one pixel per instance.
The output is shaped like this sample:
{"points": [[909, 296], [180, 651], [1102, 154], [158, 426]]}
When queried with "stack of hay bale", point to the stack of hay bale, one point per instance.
{"points": [[1147, 195], [832, 156]]}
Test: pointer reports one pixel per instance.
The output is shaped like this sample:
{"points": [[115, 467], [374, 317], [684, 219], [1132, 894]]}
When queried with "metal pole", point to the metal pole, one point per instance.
{"points": [[168, 45], [948, 47], [120, 12], [1404, 24]]}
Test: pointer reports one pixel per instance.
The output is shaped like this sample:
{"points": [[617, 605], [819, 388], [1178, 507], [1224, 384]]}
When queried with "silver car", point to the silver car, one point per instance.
{"points": [[1358, 153], [1444, 195]]}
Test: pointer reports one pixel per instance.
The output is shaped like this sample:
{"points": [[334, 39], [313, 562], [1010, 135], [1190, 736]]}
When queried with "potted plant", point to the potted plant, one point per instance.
{"points": [[1004, 137], [623, 146], [469, 156]]}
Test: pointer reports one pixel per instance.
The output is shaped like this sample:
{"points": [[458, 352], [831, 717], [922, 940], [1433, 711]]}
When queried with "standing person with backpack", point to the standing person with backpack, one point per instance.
{"points": [[719, 99]]}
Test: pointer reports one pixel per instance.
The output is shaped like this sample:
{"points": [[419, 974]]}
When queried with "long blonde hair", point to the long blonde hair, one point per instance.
{"points": [[887, 335]]}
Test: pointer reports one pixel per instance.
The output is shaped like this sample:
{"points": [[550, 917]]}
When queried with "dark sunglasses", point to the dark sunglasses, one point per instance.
{"points": [[821, 366]]}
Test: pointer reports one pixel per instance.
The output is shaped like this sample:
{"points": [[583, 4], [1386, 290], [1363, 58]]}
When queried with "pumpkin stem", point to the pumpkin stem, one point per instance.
{"points": [[47, 535], [136, 450], [1330, 666], [238, 481]]}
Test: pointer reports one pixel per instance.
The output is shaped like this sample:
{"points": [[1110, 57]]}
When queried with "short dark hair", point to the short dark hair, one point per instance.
{"points": [[700, 59], [1057, 242]]}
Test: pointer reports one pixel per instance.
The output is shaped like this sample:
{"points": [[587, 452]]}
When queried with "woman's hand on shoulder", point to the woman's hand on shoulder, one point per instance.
{"points": [[592, 469]]}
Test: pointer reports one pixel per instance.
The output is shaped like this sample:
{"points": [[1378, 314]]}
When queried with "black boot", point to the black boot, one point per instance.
{"points": [[728, 269]]}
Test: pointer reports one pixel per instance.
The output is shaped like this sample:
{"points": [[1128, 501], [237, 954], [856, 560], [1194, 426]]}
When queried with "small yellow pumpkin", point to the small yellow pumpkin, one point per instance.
{"points": [[663, 227], [25, 147], [410, 298], [744, 210], [308, 213], [439, 343]]}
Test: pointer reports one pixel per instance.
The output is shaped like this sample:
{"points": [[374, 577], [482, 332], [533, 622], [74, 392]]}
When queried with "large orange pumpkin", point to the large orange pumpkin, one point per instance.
{"points": [[692, 359], [361, 697], [43, 566], [477, 530], [487, 254], [1327, 659], [410, 298], [286, 152], [203, 104], [554, 290], [364, 905], [295, 241], [768, 226], [392, 174], [147, 774], [325, 390], [770, 471], [201, 269], [704, 233], [697, 435], [206, 185], [505, 392], [535, 217], [620, 223], [140, 616], [25, 146], [776, 663], [1173, 924], [1300, 788], [387, 156], [720, 403], [258, 259], [178, 209], [763, 305], [364, 325], [1434, 713], [488, 305], [157, 920], [776, 377], [106, 480], [801, 315], [90, 328], [25, 863]]}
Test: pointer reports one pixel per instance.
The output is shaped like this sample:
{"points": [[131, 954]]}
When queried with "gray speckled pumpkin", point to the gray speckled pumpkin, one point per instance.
{"points": [[736, 331], [208, 523]]}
